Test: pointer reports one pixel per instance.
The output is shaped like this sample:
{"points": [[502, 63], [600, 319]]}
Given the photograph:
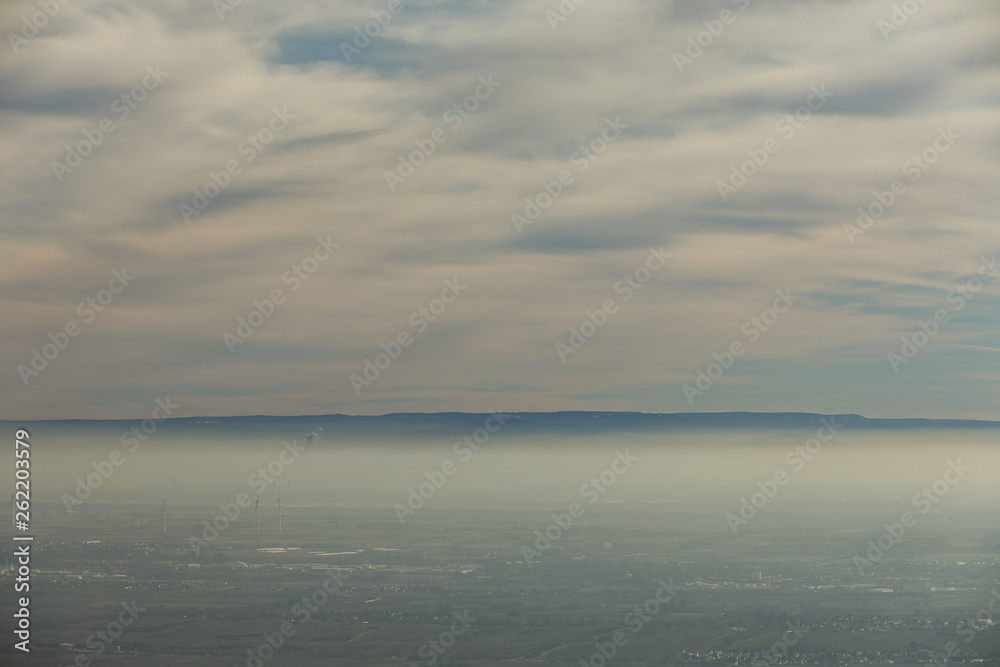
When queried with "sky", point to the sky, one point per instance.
{"points": [[414, 205]]}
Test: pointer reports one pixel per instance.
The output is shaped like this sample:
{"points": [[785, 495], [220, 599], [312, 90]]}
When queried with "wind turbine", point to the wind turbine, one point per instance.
{"points": [[166, 500], [256, 507], [278, 503], [165, 513]]}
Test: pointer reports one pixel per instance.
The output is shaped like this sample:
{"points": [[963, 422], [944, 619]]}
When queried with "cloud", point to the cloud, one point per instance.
{"points": [[352, 121], [976, 347]]}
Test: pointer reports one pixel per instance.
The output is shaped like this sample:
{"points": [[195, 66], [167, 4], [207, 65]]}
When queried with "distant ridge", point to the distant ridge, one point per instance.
{"points": [[422, 424]]}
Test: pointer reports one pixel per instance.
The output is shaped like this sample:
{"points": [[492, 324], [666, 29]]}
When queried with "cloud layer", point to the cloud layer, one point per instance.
{"points": [[190, 186]]}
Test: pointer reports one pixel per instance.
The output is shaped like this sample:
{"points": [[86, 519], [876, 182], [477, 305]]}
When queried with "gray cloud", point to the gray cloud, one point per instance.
{"points": [[658, 184]]}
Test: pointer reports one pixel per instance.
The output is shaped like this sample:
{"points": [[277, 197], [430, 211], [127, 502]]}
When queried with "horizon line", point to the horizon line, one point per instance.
{"points": [[516, 412]]}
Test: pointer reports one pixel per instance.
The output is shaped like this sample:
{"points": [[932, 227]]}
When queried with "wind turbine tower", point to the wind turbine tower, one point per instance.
{"points": [[278, 503]]}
